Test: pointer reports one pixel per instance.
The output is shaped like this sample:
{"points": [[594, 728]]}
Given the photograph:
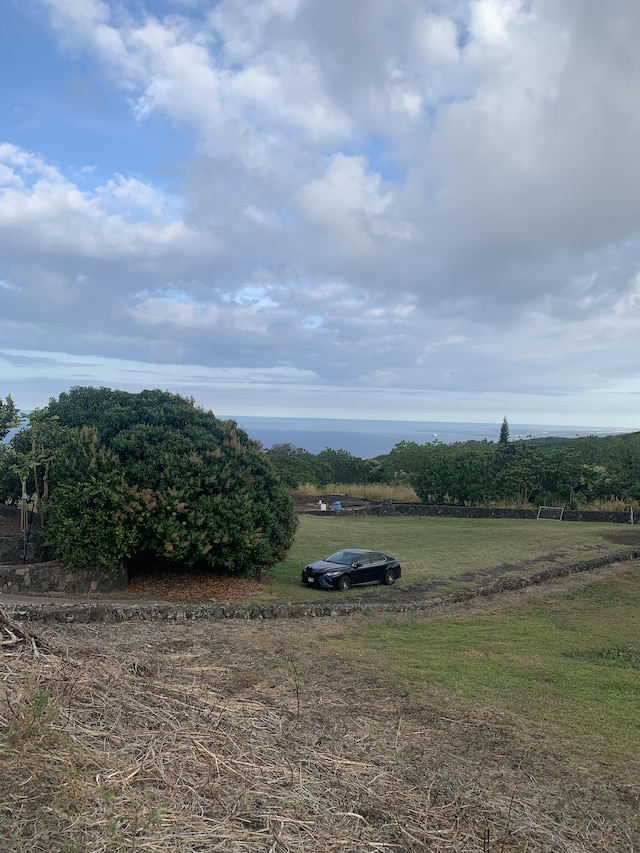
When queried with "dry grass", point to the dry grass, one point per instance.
{"points": [[365, 491], [406, 494], [240, 737], [613, 505]]}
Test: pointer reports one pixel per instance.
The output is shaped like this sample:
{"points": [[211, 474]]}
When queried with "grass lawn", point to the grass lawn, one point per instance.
{"points": [[570, 661], [442, 554]]}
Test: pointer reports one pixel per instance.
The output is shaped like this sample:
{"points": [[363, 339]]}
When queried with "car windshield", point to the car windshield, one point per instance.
{"points": [[344, 558]]}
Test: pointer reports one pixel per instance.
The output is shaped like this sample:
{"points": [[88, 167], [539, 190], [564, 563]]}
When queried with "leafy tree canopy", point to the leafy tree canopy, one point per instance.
{"points": [[167, 482], [9, 416]]}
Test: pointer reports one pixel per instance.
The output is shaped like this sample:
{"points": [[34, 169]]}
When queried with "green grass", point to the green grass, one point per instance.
{"points": [[444, 554], [570, 662]]}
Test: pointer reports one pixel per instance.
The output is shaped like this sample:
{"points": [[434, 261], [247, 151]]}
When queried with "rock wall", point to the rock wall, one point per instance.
{"points": [[43, 578], [10, 511], [416, 509], [12, 548]]}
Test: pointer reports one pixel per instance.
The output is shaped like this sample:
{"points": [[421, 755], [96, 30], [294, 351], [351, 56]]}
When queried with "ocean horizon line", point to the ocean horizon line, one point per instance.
{"points": [[370, 438]]}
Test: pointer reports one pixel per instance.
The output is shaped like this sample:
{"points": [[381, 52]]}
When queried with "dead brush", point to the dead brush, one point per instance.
{"points": [[136, 742]]}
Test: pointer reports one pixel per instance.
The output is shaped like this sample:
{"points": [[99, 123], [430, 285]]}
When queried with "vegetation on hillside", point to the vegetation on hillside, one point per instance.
{"points": [[565, 472]]}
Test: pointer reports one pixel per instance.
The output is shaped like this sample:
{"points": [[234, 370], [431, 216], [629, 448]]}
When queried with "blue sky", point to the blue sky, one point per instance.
{"points": [[305, 208]]}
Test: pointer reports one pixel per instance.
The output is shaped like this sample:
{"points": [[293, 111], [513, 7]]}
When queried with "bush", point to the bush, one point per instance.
{"points": [[165, 483]]}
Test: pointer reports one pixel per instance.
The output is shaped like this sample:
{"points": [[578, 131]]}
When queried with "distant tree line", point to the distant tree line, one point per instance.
{"points": [[555, 471]]}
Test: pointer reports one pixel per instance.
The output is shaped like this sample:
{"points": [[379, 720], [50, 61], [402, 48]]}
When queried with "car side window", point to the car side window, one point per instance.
{"points": [[376, 558]]}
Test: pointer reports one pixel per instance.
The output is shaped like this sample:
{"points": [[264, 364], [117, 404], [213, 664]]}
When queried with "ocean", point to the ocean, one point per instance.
{"points": [[367, 439]]}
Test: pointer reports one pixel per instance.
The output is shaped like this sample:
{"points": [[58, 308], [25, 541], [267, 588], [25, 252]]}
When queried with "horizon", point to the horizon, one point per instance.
{"points": [[369, 439]]}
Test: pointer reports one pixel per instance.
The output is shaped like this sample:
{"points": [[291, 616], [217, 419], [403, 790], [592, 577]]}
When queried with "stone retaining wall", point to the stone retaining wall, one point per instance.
{"points": [[42, 578], [388, 508], [12, 544], [10, 511], [12, 548], [396, 601]]}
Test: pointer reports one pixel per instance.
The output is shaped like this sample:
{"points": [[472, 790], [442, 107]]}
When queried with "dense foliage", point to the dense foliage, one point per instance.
{"points": [[556, 471], [151, 477], [8, 415]]}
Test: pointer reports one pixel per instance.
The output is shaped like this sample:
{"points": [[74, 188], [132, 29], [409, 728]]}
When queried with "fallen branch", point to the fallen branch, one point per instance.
{"points": [[12, 633]]}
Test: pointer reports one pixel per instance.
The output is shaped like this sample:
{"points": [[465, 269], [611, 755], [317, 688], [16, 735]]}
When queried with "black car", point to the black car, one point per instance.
{"points": [[351, 566]]}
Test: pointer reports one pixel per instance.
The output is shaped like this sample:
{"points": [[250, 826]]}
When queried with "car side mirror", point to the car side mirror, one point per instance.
{"points": [[356, 565]]}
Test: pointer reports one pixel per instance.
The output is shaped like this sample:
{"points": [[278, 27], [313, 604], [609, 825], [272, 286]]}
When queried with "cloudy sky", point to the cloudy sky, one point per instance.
{"points": [[419, 209]]}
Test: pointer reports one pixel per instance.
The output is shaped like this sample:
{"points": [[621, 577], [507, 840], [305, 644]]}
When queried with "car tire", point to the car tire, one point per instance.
{"points": [[389, 577], [343, 583]]}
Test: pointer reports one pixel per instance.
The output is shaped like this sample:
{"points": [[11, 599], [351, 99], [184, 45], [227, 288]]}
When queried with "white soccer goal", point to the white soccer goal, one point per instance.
{"points": [[550, 513]]}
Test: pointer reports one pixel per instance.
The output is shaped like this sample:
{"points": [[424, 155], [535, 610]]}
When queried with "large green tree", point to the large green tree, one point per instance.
{"points": [[340, 466], [294, 465], [521, 474], [168, 483], [405, 462], [460, 473]]}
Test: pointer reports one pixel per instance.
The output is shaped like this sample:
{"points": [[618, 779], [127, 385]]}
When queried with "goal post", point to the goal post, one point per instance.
{"points": [[550, 513]]}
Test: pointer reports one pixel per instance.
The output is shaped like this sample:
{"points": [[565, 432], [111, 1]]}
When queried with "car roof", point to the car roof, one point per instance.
{"points": [[360, 551]]}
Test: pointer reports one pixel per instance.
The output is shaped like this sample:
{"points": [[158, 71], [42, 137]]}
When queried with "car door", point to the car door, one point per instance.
{"points": [[377, 566], [361, 573]]}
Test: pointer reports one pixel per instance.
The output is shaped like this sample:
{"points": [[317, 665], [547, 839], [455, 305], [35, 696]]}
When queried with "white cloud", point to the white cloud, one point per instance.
{"points": [[41, 210], [352, 202], [436, 41], [214, 319], [439, 197]]}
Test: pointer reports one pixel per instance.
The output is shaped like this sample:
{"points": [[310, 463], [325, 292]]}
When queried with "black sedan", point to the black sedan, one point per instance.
{"points": [[351, 566]]}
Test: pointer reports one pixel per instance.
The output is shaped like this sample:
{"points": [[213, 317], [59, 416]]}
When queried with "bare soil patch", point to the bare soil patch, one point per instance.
{"points": [[624, 535], [192, 587]]}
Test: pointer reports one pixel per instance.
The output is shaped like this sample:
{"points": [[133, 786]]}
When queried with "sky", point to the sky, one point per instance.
{"points": [[416, 210]]}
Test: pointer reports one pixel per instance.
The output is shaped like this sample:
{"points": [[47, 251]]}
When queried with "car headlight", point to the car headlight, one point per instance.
{"points": [[332, 574]]}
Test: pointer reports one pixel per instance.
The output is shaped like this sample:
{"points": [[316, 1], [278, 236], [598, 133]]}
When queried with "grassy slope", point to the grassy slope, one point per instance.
{"points": [[570, 662], [442, 553]]}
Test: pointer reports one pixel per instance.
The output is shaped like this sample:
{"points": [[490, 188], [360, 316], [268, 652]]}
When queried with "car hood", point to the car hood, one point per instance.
{"points": [[323, 566]]}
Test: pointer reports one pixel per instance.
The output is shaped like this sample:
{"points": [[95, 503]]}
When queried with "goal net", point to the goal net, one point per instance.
{"points": [[550, 513]]}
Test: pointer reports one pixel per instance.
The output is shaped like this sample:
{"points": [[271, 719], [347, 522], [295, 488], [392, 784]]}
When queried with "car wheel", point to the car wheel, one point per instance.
{"points": [[389, 577], [344, 583]]}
